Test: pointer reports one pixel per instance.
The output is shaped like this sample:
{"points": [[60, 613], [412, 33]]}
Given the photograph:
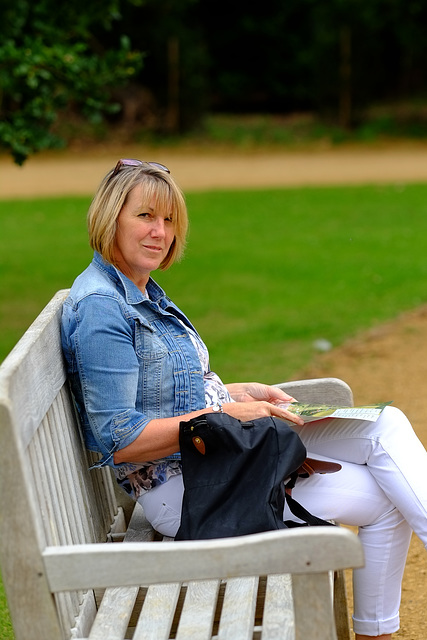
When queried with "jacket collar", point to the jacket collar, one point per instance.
{"points": [[131, 292]]}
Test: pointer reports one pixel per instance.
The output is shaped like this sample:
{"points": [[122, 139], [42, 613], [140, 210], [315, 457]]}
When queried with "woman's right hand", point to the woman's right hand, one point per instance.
{"points": [[246, 411]]}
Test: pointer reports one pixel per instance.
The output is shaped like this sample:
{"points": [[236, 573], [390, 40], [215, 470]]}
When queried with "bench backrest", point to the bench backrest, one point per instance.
{"points": [[47, 494]]}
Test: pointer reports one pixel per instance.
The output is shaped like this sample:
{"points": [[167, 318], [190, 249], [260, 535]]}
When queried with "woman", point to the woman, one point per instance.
{"points": [[138, 368]]}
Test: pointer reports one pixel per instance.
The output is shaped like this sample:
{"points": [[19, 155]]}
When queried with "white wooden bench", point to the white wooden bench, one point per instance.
{"points": [[77, 559]]}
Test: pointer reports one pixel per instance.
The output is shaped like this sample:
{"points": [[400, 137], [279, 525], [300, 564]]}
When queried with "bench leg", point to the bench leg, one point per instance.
{"points": [[313, 607], [340, 606]]}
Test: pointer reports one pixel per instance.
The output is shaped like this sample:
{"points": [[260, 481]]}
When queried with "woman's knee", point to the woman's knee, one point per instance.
{"points": [[162, 506], [350, 496]]}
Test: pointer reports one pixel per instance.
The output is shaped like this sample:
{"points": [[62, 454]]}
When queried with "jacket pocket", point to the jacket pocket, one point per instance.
{"points": [[148, 345]]}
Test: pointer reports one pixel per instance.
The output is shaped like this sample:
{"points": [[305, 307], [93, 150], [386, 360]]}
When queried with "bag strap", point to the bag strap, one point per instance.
{"points": [[308, 518]]}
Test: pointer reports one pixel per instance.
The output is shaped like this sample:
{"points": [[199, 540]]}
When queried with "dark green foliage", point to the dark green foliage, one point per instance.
{"points": [[51, 58], [332, 58]]}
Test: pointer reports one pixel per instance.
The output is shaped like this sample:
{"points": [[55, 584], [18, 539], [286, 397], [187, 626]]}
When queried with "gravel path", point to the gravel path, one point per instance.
{"points": [[80, 172]]}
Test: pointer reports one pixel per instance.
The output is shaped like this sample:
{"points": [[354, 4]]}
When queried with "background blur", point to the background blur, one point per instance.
{"points": [[321, 69]]}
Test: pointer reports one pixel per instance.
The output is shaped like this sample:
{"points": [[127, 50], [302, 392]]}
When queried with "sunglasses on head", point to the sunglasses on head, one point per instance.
{"points": [[131, 162]]}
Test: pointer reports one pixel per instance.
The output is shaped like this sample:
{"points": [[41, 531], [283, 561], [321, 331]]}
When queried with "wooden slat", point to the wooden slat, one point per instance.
{"points": [[21, 539], [52, 467], [36, 370], [278, 620], [47, 471], [76, 465], [312, 593], [198, 612], [67, 604], [84, 621], [114, 614], [61, 448], [238, 609], [158, 612], [139, 529], [102, 500]]}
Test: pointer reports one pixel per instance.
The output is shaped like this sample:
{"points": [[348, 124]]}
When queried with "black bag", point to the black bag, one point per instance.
{"points": [[234, 476]]}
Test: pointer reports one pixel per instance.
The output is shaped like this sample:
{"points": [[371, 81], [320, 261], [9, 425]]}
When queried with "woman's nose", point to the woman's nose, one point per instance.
{"points": [[158, 228]]}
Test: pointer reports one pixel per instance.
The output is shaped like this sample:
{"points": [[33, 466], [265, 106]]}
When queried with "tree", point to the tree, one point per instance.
{"points": [[176, 62], [51, 57]]}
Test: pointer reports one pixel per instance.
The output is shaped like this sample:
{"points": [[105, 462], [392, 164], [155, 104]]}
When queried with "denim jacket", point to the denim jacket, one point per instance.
{"points": [[129, 358]]}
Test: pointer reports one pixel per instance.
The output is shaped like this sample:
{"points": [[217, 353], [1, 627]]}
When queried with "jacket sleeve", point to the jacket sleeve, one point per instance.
{"points": [[101, 337]]}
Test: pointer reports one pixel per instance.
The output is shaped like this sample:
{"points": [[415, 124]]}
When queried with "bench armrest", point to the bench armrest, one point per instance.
{"points": [[310, 550], [320, 391]]}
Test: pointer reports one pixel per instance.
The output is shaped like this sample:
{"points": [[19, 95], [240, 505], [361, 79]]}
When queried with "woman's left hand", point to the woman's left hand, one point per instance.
{"points": [[250, 391]]}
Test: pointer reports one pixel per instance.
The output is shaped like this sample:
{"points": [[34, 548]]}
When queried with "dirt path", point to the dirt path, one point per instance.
{"points": [[79, 172], [389, 363]]}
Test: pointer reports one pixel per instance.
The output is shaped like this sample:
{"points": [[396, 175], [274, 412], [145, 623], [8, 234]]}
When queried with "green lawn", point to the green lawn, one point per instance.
{"points": [[269, 272], [266, 272]]}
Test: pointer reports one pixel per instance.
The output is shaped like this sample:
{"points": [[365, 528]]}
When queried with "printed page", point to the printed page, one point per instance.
{"points": [[310, 412]]}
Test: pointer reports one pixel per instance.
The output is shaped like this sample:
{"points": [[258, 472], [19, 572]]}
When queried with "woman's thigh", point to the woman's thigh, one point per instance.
{"points": [[350, 496], [162, 506]]}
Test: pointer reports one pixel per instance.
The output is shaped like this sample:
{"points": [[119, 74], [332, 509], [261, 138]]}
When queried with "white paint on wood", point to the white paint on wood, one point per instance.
{"points": [[157, 614], [307, 550], [238, 610]]}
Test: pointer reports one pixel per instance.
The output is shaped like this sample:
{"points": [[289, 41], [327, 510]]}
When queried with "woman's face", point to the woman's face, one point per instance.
{"points": [[143, 237]]}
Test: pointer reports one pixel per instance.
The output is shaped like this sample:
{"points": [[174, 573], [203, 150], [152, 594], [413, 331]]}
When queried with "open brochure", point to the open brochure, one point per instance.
{"points": [[311, 412]]}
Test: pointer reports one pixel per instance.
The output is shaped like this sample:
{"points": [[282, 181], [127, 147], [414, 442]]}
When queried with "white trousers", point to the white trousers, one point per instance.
{"points": [[381, 488]]}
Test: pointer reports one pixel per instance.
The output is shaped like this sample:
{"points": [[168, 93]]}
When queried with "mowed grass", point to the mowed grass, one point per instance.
{"points": [[268, 273], [265, 275]]}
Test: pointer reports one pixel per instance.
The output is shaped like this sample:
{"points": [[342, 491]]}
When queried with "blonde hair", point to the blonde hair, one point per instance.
{"points": [[111, 196]]}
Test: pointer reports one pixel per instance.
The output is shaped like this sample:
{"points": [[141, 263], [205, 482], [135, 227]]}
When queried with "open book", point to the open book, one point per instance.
{"points": [[311, 412]]}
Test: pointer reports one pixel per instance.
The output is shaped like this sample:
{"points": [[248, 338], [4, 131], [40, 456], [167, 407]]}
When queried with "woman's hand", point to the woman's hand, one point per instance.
{"points": [[246, 411], [250, 391], [256, 400]]}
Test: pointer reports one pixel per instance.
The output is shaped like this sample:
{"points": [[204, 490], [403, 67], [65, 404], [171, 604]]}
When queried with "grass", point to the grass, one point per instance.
{"points": [[269, 272], [43, 245], [266, 273]]}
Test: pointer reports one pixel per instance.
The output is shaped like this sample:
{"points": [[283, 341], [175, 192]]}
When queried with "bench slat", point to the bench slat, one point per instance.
{"points": [[198, 612], [158, 611], [59, 440], [139, 529], [340, 606], [238, 610], [38, 370], [114, 614], [278, 620]]}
